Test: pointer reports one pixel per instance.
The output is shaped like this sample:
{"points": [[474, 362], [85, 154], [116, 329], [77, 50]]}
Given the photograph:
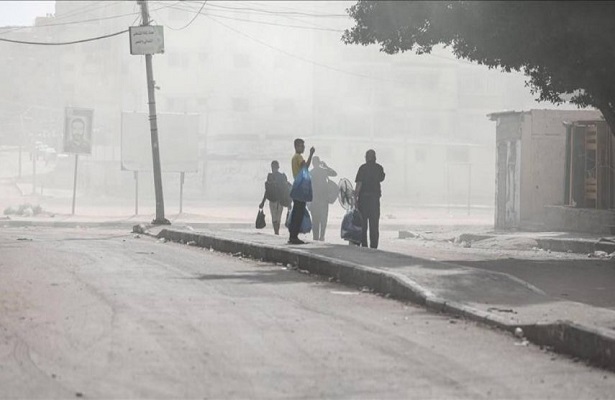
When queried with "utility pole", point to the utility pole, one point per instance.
{"points": [[160, 219]]}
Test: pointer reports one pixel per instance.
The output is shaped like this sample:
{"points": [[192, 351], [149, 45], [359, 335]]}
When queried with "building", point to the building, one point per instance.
{"points": [[531, 164]]}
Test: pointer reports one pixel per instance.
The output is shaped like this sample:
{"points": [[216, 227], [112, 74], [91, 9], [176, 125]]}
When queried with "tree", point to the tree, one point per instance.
{"points": [[567, 49]]}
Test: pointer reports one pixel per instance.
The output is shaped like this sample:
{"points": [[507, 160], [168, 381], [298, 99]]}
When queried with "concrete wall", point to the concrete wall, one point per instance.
{"points": [[543, 159]]}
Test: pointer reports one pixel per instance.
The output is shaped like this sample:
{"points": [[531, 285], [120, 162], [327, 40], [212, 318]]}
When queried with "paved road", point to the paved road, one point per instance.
{"points": [[98, 313]]}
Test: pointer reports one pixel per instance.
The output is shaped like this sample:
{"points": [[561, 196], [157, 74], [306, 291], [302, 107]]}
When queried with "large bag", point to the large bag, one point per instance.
{"points": [[332, 191], [260, 219], [284, 194], [271, 192], [306, 222], [302, 187], [352, 226]]}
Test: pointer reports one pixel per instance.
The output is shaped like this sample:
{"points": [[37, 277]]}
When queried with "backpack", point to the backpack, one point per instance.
{"points": [[278, 190]]}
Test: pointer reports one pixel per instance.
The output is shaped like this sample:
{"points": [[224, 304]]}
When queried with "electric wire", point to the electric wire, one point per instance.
{"points": [[191, 21], [280, 12], [64, 43], [64, 16], [301, 58], [257, 22]]}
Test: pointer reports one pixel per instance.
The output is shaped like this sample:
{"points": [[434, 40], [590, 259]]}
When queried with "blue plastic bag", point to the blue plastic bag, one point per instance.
{"points": [[352, 226], [302, 187], [306, 222]]}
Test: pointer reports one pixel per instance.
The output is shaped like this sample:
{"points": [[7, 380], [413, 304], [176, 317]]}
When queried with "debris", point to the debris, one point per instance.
{"points": [[518, 332], [506, 310], [524, 342], [162, 240], [23, 238], [466, 245], [139, 228], [236, 254], [211, 249], [191, 243], [410, 235], [189, 228], [598, 254], [137, 236]]}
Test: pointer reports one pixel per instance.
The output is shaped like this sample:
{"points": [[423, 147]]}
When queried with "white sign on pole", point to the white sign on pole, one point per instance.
{"points": [[178, 137], [78, 130], [147, 39]]}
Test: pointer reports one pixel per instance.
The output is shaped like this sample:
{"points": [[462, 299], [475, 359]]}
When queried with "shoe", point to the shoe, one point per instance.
{"points": [[295, 241]]}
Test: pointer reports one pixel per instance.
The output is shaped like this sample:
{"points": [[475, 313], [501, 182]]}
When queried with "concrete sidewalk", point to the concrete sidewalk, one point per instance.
{"points": [[494, 298]]}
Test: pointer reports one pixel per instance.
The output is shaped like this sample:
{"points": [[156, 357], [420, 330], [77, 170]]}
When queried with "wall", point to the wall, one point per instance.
{"points": [[544, 159]]}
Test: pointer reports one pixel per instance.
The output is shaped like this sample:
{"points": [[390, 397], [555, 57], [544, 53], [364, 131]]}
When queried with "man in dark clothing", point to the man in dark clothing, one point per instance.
{"points": [[368, 195], [319, 207], [275, 191]]}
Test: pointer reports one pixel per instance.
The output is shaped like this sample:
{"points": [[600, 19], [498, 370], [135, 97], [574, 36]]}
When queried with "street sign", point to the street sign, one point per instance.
{"points": [[78, 130], [147, 39]]}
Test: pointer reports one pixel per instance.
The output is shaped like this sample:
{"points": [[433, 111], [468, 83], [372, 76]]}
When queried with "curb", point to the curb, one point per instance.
{"points": [[593, 344]]}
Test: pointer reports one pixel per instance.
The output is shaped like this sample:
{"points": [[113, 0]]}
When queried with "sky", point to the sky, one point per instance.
{"points": [[24, 12]]}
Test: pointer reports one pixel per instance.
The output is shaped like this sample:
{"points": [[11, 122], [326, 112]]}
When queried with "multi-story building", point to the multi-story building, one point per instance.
{"points": [[260, 75]]}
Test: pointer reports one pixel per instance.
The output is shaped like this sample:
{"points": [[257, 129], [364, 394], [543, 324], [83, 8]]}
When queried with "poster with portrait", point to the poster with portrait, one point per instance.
{"points": [[78, 130]]}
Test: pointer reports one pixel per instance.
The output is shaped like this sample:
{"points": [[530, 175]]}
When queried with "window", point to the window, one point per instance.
{"points": [[457, 154], [178, 60]]}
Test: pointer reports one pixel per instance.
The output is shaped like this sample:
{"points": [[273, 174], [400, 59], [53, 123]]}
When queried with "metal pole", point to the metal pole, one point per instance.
{"points": [[469, 187], [181, 191], [34, 153], [75, 184], [136, 174], [160, 219], [448, 192]]}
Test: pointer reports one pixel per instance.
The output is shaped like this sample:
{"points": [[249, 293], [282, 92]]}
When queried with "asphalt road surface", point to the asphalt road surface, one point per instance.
{"points": [[103, 314]]}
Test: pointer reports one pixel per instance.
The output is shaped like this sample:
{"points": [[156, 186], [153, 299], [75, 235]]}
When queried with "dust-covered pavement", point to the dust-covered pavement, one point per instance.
{"points": [[93, 313]]}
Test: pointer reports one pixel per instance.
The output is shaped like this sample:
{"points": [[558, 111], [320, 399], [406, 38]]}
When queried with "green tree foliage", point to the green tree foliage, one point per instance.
{"points": [[566, 48]]}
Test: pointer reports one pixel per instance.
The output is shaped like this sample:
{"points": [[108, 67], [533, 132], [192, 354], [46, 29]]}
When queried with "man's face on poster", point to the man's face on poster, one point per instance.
{"points": [[77, 129]]}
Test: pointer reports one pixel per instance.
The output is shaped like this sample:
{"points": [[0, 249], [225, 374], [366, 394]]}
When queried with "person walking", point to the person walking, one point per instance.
{"points": [[319, 207], [297, 162], [367, 194], [276, 187]]}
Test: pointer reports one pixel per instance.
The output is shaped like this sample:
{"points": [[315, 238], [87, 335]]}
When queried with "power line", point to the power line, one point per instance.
{"points": [[280, 12], [78, 11], [89, 20], [192, 20], [63, 43], [303, 58], [259, 22]]}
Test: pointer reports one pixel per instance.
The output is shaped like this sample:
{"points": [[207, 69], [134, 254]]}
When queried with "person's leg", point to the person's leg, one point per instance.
{"points": [[272, 212], [276, 216], [316, 220], [364, 213], [296, 218], [374, 223], [323, 223]]}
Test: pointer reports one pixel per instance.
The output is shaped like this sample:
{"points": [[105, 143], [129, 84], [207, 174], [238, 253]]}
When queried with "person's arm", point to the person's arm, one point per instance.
{"points": [[262, 204], [309, 160], [359, 181], [382, 174], [330, 171]]}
